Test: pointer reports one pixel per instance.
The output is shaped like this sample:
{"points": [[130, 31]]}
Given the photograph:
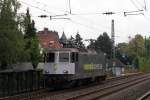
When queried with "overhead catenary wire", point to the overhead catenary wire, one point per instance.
{"points": [[143, 14], [37, 8], [53, 16], [45, 5], [87, 26], [51, 13], [135, 5], [70, 13], [99, 25], [142, 5]]}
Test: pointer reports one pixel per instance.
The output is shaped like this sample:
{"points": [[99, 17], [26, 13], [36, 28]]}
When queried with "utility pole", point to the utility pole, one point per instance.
{"points": [[145, 5], [113, 39], [70, 7]]}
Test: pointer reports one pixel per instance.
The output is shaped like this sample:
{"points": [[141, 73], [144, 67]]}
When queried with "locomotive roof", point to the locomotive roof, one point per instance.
{"points": [[92, 51], [62, 49]]}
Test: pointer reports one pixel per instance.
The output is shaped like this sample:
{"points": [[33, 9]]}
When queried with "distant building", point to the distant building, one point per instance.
{"points": [[64, 41], [115, 66], [49, 39]]}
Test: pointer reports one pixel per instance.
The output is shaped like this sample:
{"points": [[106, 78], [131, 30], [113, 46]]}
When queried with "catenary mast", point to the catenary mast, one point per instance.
{"points": [[113, 39]]}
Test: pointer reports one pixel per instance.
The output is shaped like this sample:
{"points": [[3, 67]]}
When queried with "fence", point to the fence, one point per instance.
{"points": [[12, 83]]}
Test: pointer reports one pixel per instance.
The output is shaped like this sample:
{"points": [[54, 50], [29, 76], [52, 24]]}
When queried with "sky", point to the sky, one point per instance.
{"points": [[86, 17]]}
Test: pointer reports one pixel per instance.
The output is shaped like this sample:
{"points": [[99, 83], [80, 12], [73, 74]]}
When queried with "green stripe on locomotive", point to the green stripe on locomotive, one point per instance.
{"points": [[88, 66]]}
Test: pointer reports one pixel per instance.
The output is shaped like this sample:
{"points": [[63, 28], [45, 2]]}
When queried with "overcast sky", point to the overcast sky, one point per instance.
{"points": [[89, 23]]}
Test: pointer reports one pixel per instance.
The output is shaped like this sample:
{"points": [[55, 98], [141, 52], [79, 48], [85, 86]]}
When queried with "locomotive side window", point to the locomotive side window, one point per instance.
{"points": [[64, 57], [51, 57], [74, 57], [77, 55]]}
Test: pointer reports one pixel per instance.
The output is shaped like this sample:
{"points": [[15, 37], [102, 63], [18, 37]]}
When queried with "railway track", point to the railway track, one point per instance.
{"points": [[45, 94], [81, 93], [23, 96], [106, 91], [146, 96]]}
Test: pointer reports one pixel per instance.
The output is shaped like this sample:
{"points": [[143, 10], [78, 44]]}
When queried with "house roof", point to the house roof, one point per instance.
{"points": [[49, 39], [114, 63], [63, 37]]}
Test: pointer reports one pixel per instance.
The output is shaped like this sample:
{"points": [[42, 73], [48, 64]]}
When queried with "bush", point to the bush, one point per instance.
{"points": [[144, 64]]}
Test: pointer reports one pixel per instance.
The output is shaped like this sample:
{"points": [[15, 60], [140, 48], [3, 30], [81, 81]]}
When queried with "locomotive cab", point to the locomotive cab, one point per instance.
{"points": [[59, 61]]}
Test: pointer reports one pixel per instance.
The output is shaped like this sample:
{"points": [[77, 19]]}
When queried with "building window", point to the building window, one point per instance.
{"points": [[51, 44]]}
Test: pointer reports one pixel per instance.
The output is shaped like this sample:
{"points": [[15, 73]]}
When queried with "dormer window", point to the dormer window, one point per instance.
{"points": [[51, 43]]}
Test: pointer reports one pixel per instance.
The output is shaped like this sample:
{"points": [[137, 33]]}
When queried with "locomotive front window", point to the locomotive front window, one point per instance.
{"points": [[64, 57], [50, 57]]}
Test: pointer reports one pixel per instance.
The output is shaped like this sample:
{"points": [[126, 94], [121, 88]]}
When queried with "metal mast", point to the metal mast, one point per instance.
{"points": [[70, 7], [113, 39]]}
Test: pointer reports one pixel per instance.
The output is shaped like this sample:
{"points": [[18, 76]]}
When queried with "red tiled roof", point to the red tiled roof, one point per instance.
{"points": [[49, 39]]}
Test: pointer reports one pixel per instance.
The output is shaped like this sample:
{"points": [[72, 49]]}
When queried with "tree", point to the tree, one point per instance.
{"points": [[71, 42], [35, 52], [136, 46], [78, 41], [104, 44], [32, 44], [147, 47], [91, 44], [122, 53], [11, 38]]}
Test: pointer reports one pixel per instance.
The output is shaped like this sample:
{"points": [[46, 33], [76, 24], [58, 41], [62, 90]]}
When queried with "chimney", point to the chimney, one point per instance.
{"points": [[45, 30]]}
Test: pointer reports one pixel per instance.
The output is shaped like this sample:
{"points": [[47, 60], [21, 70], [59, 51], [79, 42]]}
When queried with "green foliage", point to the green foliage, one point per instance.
{"points": [[122, 53], [123, 47], [138, 51], [145, 61], [11, 38], [71, 42], [35, 52], [92, 43], [147, 47], [103, 43], [136, 46], [144, 64], [78, 41], [32, 44]]}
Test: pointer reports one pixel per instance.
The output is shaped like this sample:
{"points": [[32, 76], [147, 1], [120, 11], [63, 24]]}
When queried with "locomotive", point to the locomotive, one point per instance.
{"points": [[65, 67]]}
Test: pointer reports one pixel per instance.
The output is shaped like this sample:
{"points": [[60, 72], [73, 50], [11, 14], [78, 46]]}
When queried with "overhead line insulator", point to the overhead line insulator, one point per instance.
{"points": [[108, 13], [43, 16]]}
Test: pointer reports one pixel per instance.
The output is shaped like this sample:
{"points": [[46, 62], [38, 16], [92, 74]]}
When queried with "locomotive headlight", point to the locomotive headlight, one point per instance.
{"points": [[46, 71], [65, 71]]}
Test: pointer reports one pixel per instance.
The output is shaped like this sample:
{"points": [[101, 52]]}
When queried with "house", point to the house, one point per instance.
{"points": [[115, 66], [49, 39]]}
